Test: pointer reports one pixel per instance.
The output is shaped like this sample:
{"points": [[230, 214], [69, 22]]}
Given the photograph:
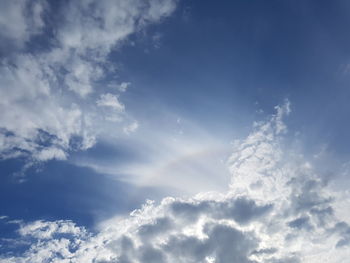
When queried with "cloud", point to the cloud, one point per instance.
{"points": [[277, 210], [19, 21], [195, 157], [123, 86], [50, 153], [110, 100], [131, 128], [46, 230], [47, 107]]}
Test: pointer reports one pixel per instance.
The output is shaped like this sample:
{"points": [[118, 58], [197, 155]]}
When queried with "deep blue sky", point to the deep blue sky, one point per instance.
{"points": [[220, 63]]}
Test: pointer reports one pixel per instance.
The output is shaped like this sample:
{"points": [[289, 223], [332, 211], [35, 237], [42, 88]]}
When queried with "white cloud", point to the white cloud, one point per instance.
{"points": [[81, 75], [124, 86], [91, 29], [131, 128], [46, 230], [50, 153], [110, 100], [253, 162], [48, 96], [277, 210]]}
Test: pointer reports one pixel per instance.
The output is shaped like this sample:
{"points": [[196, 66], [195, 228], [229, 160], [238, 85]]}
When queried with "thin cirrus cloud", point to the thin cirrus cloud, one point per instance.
{"points": [[52, 99], [183, 157], [277, 209]]}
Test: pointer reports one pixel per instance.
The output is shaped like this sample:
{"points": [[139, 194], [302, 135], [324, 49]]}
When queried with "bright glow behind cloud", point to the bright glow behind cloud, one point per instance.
{"points": [[277, 210], [184, 158]]}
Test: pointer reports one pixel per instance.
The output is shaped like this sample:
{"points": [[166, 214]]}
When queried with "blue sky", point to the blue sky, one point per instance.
{"points": [[231, 116]]}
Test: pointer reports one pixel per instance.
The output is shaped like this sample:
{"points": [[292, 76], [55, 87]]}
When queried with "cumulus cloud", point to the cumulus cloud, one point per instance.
{"points": [[277, 210], [49, 93]]}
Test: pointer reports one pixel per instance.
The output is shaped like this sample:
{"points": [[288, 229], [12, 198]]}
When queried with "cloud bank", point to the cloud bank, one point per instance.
{"points": [[277, 210], [56, 75]]}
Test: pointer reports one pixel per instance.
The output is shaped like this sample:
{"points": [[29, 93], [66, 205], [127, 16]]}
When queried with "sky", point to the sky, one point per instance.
{"points": [[174, 131]]}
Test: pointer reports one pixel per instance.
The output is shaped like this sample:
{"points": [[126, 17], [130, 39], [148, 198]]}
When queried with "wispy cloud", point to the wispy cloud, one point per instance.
{"points": [[51, 95], [19, 21]]}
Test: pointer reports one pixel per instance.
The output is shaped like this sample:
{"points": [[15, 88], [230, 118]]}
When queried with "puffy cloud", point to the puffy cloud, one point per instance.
{"points": [[277, 210], [47, 107]]}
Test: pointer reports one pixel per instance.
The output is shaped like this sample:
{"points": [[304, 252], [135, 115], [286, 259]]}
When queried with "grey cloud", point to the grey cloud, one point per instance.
{"points": [[343, 229], [150, 254], [231, 245], [322, 214], [224, 243], [292, 259], [306, 194], [300, 223], [187, 249], [188, 210], [160, 226], [241, 209], [265, 251], [244, 210], [343, 242]]}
